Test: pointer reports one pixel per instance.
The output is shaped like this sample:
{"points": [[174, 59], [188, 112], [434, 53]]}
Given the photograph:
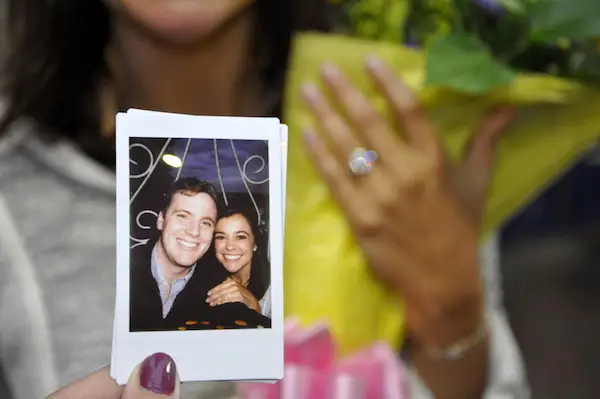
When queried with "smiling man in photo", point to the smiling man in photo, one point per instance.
{"points": [[186, 225], [170, 282]]}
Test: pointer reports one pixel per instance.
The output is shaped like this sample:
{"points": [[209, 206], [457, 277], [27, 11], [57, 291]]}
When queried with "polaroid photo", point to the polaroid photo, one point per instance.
{"points": [[200, 219]]}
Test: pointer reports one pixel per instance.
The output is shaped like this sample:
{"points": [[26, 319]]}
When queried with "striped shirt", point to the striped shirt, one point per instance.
{"points": [[168, 293]]}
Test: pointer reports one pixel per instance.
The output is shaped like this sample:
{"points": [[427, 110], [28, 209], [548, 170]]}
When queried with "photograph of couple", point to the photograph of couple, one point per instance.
{"points": [[203, 262]]}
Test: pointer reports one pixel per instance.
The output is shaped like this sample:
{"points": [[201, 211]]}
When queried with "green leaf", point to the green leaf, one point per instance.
{"points": [[463, 63], [514, 6], [552, 20], [586, 66]]}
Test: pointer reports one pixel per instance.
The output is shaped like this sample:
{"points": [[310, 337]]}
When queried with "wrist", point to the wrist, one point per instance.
{"points": [[449, 324], [255, 306], [458, 348]]}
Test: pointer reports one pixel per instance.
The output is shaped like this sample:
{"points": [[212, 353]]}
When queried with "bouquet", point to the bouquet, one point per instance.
{"points": [[474, 46], [461, 58]]}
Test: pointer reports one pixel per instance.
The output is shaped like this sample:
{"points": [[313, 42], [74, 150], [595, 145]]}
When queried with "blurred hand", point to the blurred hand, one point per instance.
{"points": [[232, 291], [155, 378], [415, 215]]}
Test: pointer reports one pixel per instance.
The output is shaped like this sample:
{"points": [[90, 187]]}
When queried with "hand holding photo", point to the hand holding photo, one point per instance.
{"points": [[200, 244]]}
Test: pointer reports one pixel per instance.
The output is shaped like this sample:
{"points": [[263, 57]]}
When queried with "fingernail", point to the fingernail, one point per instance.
{"points": [[373, 62], [310, 92], [330, 71], [310, 136], [207, 300], [158, 374]]}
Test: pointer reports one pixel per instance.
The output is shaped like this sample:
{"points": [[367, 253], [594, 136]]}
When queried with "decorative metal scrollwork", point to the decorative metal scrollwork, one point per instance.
{"points": [[240, 168]]}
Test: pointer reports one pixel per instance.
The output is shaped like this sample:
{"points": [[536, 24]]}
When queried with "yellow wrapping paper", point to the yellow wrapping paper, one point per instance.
{"points": [[326, 277]]}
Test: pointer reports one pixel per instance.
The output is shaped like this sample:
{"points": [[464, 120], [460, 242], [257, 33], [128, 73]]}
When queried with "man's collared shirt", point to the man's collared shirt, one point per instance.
{"points": [[167, 294]]}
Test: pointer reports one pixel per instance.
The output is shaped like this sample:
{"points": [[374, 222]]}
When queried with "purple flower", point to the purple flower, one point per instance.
{"points": [[493, 6], [411, 42]]}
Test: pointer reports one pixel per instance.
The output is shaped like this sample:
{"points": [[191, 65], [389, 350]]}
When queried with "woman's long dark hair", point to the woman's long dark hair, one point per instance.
{"points": [[55, 63], [260, 272]]}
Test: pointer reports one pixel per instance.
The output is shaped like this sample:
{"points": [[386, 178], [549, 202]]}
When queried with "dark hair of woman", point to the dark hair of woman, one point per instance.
{"points": [[260, 272], [55, 64]]}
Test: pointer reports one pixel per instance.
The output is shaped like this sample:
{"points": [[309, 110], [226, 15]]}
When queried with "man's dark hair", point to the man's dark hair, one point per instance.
{"points": [[56, 64], [191, 186]]}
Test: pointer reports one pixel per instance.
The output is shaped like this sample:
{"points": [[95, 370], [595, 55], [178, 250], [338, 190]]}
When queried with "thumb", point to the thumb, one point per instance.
{"points": [[481, 152], [156, 377]]}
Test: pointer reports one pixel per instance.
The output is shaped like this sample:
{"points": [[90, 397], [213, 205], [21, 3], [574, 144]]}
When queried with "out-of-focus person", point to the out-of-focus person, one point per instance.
{"points": [[72, 65]]}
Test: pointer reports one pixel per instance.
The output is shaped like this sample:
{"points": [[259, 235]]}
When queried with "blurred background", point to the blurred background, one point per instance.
{"points": [[551, 272], [238, 169]]}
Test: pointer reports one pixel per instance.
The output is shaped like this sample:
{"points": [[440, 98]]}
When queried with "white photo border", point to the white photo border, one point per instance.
{"points": [[213, 355]]}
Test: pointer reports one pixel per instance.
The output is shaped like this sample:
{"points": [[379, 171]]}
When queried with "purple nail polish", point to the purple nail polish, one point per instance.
{"points": [[158, 374]]}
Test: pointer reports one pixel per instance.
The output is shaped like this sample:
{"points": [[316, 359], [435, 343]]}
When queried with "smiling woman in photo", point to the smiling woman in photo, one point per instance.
{"points": [[241, 248]]}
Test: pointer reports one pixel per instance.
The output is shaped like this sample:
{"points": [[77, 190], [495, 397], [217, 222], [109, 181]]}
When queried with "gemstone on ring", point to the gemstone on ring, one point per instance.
{"points": [[361, 161], [371, 157]]}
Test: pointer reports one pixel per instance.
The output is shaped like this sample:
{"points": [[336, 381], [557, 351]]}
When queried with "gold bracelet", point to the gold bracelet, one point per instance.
{"points": [[460, 348]]}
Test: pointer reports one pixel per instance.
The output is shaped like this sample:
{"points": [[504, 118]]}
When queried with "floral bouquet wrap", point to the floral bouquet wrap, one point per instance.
{"points": [[312, 370], [461, 57]]}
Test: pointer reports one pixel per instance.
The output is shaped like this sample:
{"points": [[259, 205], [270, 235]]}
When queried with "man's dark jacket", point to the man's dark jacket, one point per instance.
{"points": [[189, 309]]}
